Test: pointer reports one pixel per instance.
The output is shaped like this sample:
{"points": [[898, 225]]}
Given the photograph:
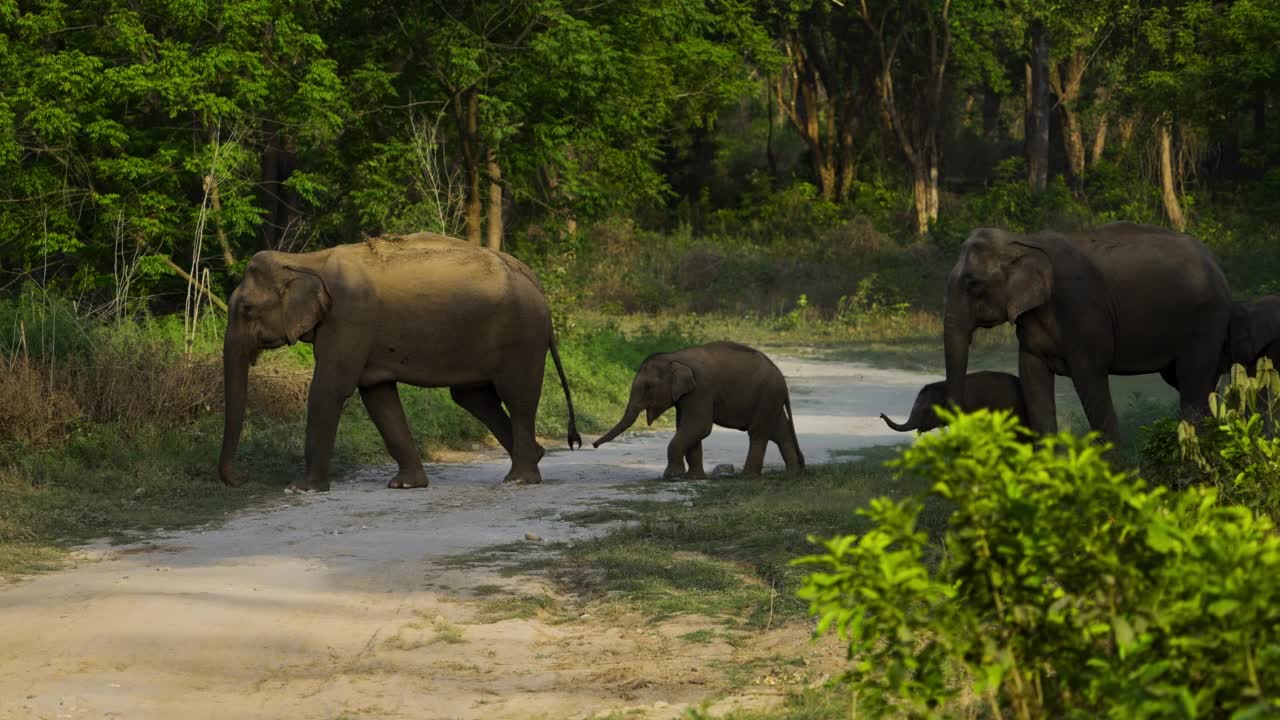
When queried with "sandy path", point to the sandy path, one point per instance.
{"points": [[347, 605]]}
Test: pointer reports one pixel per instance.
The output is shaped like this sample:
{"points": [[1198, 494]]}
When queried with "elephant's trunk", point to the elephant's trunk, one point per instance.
{"points": [[628, 419], [909, 426], [957, 333], [237, 355]]}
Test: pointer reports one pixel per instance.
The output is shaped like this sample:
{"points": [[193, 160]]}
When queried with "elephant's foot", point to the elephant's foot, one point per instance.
{"points": [[409, 480], [751, 472], [305, 488], [523, 477], [696, 475], [675, 473]]}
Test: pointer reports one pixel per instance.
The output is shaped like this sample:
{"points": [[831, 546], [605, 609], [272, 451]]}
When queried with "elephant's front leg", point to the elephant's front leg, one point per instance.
{"points": [[694, 457], [693, 423], [1094, 389], [1037, 392], [387, 412]]}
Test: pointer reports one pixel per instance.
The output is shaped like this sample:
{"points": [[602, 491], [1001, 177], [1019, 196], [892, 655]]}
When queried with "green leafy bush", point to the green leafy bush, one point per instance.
{"points": [[1236, 450], [1068, 590]]}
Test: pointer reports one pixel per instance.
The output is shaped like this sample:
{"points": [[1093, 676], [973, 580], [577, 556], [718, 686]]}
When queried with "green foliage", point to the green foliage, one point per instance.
{"points": [[1068, 589], [1235, 451]]}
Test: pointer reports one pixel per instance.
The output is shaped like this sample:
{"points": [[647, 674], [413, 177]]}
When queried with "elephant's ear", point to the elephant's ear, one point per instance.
{"points": [[681, 380], [305, 302], [1030, 281]]}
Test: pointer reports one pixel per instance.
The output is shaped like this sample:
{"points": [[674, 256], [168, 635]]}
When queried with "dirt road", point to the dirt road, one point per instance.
{"points": [[352, 604]]}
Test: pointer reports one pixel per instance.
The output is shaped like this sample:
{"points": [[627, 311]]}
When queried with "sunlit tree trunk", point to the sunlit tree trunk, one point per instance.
{"points": [[1066, 79], [1168, 187], [1099, 140], [494, 226]]}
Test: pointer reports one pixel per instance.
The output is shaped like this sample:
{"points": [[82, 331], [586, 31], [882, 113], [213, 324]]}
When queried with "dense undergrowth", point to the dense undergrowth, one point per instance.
{"points": [[110, 427], [785, 255]]}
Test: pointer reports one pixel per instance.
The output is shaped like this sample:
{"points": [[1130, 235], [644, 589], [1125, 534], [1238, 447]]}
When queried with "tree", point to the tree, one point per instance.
{"points": [[825, 86], [914, 42]]}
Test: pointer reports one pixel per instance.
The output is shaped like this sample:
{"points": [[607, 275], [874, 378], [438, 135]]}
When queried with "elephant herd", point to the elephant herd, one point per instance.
{"points": [[433, 311]]}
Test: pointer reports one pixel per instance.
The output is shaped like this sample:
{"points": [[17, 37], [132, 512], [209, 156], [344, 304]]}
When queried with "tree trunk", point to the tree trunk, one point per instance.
{"points": [[920, 194], [1124, 129], [990, 111], [494, 239], [1065, 80], [768, 140], [466, 108], [931, 208], [1099, 140], [1168, 189], [1073, 143], [1037, 117]]}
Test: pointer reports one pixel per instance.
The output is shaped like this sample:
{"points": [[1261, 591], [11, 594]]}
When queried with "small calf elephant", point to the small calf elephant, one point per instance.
{"points": [[720, 383], [984, 389]]}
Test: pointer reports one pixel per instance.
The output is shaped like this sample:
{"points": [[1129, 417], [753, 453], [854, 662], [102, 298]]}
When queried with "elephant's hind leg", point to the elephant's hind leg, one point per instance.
{"points": [[482, 401], [782, 437], [520, 394], [383, 403]]}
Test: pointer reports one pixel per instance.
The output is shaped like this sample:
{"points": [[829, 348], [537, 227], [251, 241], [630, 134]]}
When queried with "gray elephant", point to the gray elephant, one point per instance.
{"points": [[1254, 333], [983, 389], [421, 309], [720, 383], [1119, 299]]}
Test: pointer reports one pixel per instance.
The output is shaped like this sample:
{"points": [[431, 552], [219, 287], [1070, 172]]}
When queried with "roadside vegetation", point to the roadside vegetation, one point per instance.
{"points": [[110, 428]]}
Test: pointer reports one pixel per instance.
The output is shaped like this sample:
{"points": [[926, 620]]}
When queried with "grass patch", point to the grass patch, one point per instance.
{"points": [[516, 607], [700, 637], [828, 702], [727, 557]]}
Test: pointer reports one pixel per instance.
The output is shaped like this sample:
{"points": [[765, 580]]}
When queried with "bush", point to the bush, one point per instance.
{"points": [[1068, 590], [1235, 450]]}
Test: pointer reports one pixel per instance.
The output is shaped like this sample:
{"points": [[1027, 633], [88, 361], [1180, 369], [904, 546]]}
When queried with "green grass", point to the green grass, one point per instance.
{"points": [[514, 607]]}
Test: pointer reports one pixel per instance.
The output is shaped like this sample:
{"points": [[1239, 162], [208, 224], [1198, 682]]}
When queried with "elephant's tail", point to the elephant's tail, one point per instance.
{"points": [[574, 437], [791, 421]]}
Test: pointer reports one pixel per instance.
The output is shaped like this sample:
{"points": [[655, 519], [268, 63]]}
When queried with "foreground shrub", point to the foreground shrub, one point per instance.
{"points": [[1068, 590], [1234, 450]]}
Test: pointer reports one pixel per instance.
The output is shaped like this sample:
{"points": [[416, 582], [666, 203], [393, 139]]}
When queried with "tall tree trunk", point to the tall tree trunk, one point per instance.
{"points": [[1099, 140], [1065, 80], [281, 204], [920, 194], [1037, 117], [1168, 187], [1125, 128], [494, 239], [990, 111], [466, 110], [768, 141], [932, 206], [1073, 144]]}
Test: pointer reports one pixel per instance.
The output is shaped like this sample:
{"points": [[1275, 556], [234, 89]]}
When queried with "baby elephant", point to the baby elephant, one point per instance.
{"points": [[985, 389], [720, 383]]}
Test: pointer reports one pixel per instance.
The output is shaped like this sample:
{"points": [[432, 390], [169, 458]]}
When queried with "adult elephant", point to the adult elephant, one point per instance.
{"points": [[1119, 299], [421, 309], [1254, 333]]}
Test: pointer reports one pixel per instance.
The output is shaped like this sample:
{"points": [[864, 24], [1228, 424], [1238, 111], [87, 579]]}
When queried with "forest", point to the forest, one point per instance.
{"points": [[151, 146], [796, 175]]}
